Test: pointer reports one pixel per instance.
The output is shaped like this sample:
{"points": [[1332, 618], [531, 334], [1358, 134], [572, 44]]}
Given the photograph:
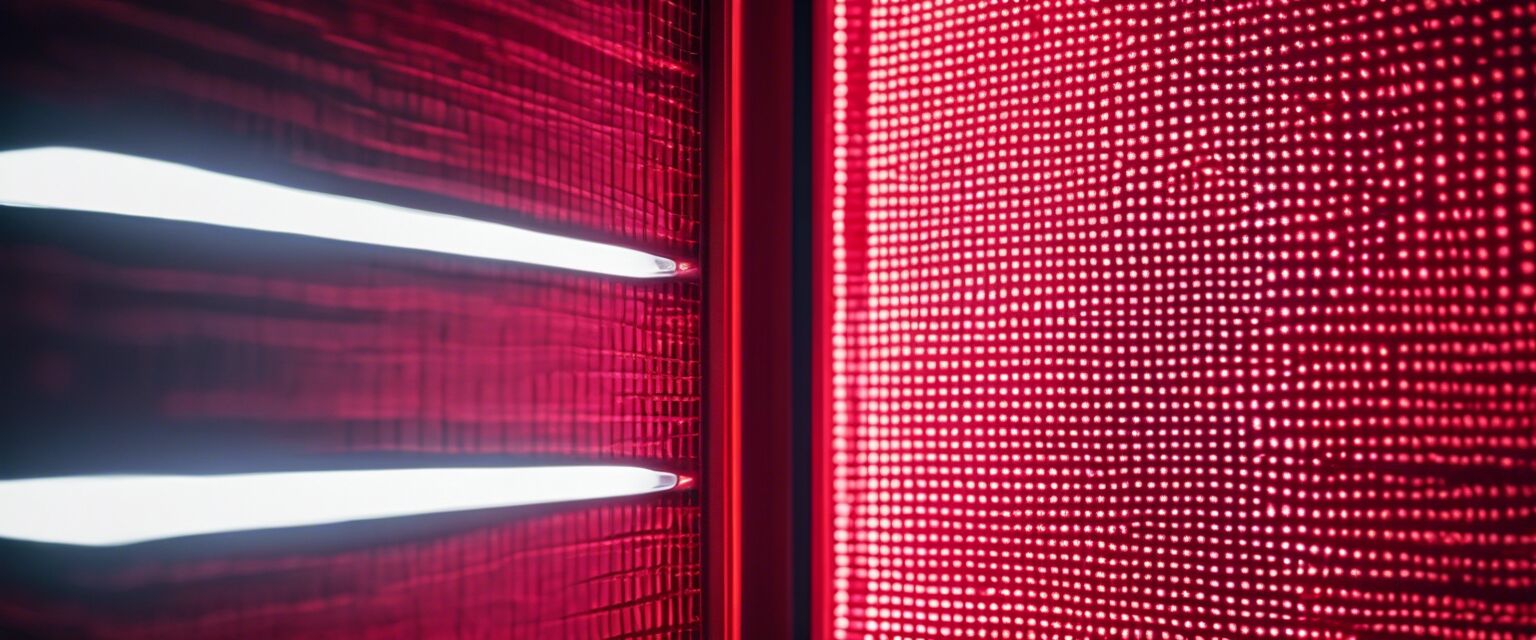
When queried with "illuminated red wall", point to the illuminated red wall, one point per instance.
{"points": [[144, 345], [1181, 320]]}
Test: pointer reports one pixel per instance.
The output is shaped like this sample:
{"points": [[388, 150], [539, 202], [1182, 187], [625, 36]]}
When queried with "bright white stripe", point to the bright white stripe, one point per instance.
{"points": [[113, 510], [104, 182]]}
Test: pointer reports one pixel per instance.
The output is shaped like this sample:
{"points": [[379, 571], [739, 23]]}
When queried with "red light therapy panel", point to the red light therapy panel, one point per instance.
{"points": [[580, 119], [1182, 320]]}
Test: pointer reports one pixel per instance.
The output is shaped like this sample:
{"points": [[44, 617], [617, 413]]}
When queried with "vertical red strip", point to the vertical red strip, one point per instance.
{"points": [[723, 321], [825, 53]]}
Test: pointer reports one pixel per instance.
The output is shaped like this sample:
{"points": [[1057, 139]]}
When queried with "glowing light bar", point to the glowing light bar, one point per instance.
{"points": [[124, 509], [104, 182]]}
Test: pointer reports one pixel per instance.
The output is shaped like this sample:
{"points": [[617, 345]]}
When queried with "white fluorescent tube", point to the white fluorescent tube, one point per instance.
{"points": [[104, 182], [123, 509]]}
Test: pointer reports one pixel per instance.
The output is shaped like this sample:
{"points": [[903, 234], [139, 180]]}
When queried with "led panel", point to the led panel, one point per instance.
{"points": [[1182, 319], [132, 343]]}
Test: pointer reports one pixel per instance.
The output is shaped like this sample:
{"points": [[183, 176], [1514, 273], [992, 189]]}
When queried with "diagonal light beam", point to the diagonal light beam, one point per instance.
{"points": [[105, 182], [112, 510]]}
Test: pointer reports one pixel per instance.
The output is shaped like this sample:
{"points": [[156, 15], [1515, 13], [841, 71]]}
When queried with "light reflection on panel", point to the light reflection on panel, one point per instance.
{"points": [[110, 510], [104, 182]]}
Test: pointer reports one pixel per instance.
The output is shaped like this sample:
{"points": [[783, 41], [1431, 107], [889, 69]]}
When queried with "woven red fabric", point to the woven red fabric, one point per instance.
{"points": [[133, 343], [1183, 319]]}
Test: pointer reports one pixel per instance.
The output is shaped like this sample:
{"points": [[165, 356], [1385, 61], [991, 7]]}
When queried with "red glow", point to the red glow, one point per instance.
{"points": [[1182, 320], [568, 116]]}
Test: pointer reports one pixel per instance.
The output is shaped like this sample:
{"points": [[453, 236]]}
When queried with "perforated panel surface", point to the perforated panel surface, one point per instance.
{"points": [[1183, 319], [156, 346]]}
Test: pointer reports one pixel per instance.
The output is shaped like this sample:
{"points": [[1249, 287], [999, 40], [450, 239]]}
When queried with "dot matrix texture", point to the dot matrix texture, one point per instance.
{"points": [[131, 342], [1183, 319]]}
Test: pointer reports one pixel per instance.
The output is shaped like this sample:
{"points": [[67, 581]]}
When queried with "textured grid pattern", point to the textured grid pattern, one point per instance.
{"points": [[1184, 319], [135, 344]]}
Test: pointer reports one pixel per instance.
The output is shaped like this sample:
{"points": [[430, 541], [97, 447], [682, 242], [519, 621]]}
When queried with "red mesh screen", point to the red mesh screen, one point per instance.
{"points": [[1183, 319], [132, 344]]}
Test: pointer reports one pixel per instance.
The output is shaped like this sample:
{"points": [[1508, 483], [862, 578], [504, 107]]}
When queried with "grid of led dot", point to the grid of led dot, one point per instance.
{"points": [[1183, 319]]}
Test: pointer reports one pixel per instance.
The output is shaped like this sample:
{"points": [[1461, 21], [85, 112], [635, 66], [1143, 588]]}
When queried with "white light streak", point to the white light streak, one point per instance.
{"points": [[105, 182], [124, 509]]}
